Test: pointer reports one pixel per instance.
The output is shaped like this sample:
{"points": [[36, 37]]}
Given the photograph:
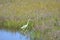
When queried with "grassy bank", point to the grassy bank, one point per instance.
{"points": [[44, 15]]}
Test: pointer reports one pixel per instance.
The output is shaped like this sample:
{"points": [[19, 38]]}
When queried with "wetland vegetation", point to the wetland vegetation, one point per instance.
{"points": [[44, 15]]}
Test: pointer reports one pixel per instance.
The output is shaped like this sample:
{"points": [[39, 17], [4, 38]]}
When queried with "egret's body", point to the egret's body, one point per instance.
{"points": [[24, 26]]}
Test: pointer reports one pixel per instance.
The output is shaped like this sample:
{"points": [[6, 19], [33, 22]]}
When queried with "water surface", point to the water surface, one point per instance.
{"points": [[8, 35]]}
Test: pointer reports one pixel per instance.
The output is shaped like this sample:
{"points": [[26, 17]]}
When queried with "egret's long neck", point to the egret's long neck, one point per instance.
{"points": [[28, 22]]}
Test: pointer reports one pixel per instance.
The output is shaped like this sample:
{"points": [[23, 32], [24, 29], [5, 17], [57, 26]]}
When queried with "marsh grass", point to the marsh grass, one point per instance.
{"points": [[14, 14]]}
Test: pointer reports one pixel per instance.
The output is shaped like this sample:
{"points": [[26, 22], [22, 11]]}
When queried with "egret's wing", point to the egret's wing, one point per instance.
{"points": [[24, 26]]}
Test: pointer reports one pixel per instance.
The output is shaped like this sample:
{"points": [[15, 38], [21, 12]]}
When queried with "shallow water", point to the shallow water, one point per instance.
{"points": [[8, 35]]}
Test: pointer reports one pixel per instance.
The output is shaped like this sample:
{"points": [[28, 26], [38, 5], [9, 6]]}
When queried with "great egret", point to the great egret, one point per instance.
{"points": [[24, 26]]}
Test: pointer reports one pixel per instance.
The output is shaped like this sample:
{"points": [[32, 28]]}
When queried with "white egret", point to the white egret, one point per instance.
{"points": [[24, 26]]}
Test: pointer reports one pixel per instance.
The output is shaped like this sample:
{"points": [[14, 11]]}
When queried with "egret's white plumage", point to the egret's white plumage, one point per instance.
{"points": [[24, 26]]}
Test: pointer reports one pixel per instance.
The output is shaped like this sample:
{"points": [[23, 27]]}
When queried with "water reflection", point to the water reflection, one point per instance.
{"points": [[8, 35]]}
